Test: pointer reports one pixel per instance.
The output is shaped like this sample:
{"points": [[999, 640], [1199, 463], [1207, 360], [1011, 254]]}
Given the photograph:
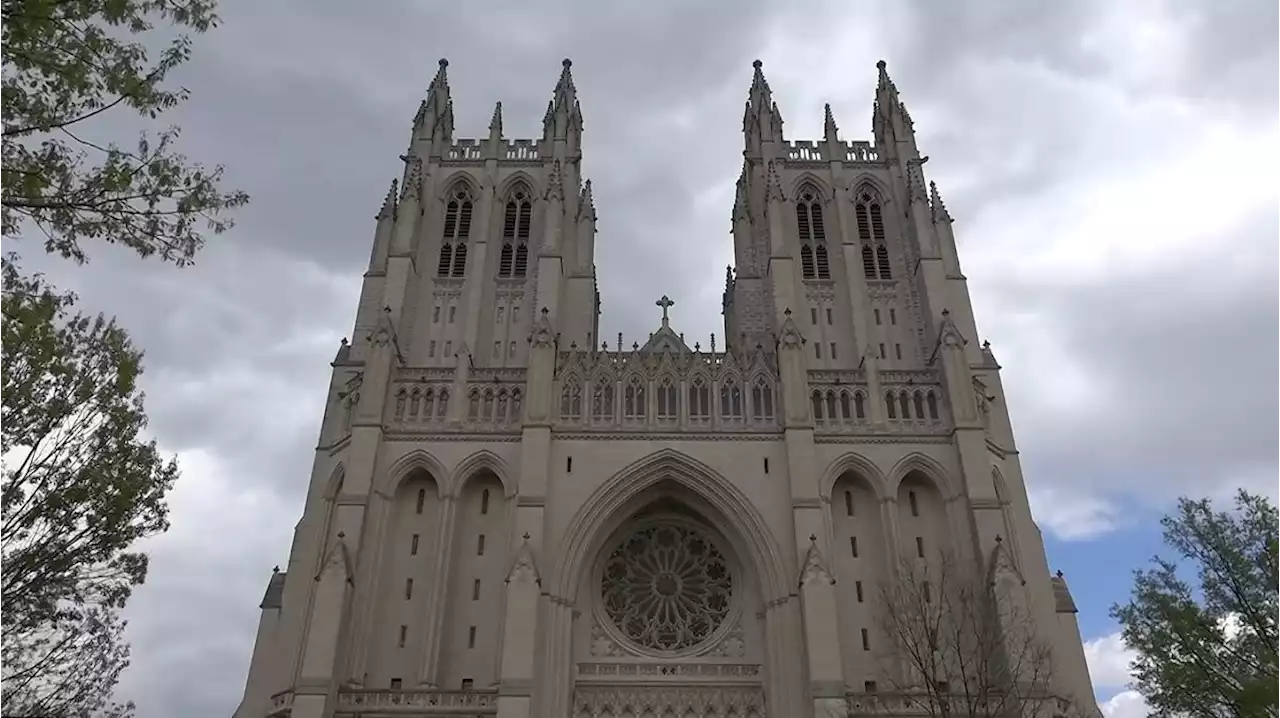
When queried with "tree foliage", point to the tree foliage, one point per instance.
{"points": [[961, 644], [66, 63], [1209, 650], [80, 487]]}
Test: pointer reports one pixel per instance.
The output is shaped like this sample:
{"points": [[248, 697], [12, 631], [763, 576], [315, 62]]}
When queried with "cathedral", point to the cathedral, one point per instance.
{"points": [[512, 515]]}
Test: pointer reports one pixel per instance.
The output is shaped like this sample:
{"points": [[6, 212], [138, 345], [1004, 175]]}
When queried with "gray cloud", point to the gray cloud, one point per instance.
{"points": [[308, 106]]}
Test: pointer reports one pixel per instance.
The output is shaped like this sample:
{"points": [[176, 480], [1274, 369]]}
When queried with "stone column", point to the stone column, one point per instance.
{"points": [[822, 643], [524, 588]]}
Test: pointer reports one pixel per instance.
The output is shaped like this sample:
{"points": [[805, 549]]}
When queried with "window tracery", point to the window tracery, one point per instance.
{"points": [[667, 400], [814, 262], [633, 399], [457, 229], [513, 259], [870, 219], [730, 399], [666, 587], [699, 400]]}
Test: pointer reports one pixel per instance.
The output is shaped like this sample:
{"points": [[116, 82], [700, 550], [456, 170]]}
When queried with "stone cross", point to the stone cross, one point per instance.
{"points": [[666, 303]]}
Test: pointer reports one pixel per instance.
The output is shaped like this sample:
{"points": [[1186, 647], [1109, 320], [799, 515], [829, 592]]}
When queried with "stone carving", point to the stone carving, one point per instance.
{"points": [[523, 567], [602, 645], [830, 708], [543, 334], [814, 568], [678, 670], [733, 645], [706, 702], [667, 587]]}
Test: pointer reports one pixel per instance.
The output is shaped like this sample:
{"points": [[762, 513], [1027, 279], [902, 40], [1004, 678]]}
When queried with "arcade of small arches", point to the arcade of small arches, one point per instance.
{"points": [[669, 402], [835, 405], [811, 228]]}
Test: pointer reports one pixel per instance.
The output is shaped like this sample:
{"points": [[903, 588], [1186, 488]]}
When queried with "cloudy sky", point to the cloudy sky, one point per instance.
{"points": [[1111, 168]]}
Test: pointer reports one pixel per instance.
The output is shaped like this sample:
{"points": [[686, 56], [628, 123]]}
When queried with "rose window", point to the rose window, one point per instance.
{"points": [[667, 587]]}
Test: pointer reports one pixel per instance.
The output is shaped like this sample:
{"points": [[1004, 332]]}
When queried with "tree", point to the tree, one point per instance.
{"points": [[961, 642], [80, 487], [66, 63], [1210, 651]]}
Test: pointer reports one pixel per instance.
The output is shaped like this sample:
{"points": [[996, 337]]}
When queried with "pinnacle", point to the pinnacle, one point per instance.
{"points": [[830, 129], [389, 203], [495, 124], [935, 201]]}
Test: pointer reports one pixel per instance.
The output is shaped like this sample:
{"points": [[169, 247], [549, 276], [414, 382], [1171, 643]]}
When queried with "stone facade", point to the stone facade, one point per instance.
{"points": [[510, 516]]}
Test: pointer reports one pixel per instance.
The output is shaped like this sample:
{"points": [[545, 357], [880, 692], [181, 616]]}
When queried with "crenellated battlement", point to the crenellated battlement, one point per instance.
{"points": [[858, 152], [476, 151]]}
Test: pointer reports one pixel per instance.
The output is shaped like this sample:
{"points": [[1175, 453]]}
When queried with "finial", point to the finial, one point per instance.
{"points": [[344, 341], [1059, 573], [342, 534], [277, 569], [946, 313], [986, 344], [545, 311], [881, 65], [697, 346], [999, 539], [786, 312], [444, 62], [526, 533], [635, 346], [813, 538], [567, 62], [757, 64]]}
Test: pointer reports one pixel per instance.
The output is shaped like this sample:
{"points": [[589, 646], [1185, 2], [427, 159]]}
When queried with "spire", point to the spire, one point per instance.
{"points": [[389, 203], [563, 112], [761, 120], [829, 129], [915, 182], [586, 203], [884, 83], [935, 202], [435, 114], [495, 124]]}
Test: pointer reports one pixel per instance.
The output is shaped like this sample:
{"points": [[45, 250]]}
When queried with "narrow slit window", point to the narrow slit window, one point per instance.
{"points": [[832, 349], [866, 640], [920, 546], [408, 589], [480, 545], [404, 635], [471, 637], [568, 464], [897, 351], [932, 400], [484, 502], [766, 464], [876, 314], [848, 503], [828, 315], [475, 590], [857, 588], [890, 406], [813, 315], [915, 507], [413, 545], [853, 546], [927, 589], [396, 684], [422, 498]]}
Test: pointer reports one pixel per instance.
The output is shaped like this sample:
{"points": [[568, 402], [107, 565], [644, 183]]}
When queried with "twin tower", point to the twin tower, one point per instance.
{"points": [[510, 515]]}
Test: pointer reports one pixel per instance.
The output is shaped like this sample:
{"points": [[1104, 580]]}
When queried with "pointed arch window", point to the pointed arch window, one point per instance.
{"points": [[699, 400], [513, 260], [817, 405], [814, 262], [762, 400], [571, 400], [633, 399], [932, 401], [730, 399], [602, 400], [859, 405], [667, 400], [918, 404], [870, 218], [457, 229]]}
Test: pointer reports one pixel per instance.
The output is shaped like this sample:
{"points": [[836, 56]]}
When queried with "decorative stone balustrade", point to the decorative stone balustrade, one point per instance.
{"points": [[417, 703]]}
